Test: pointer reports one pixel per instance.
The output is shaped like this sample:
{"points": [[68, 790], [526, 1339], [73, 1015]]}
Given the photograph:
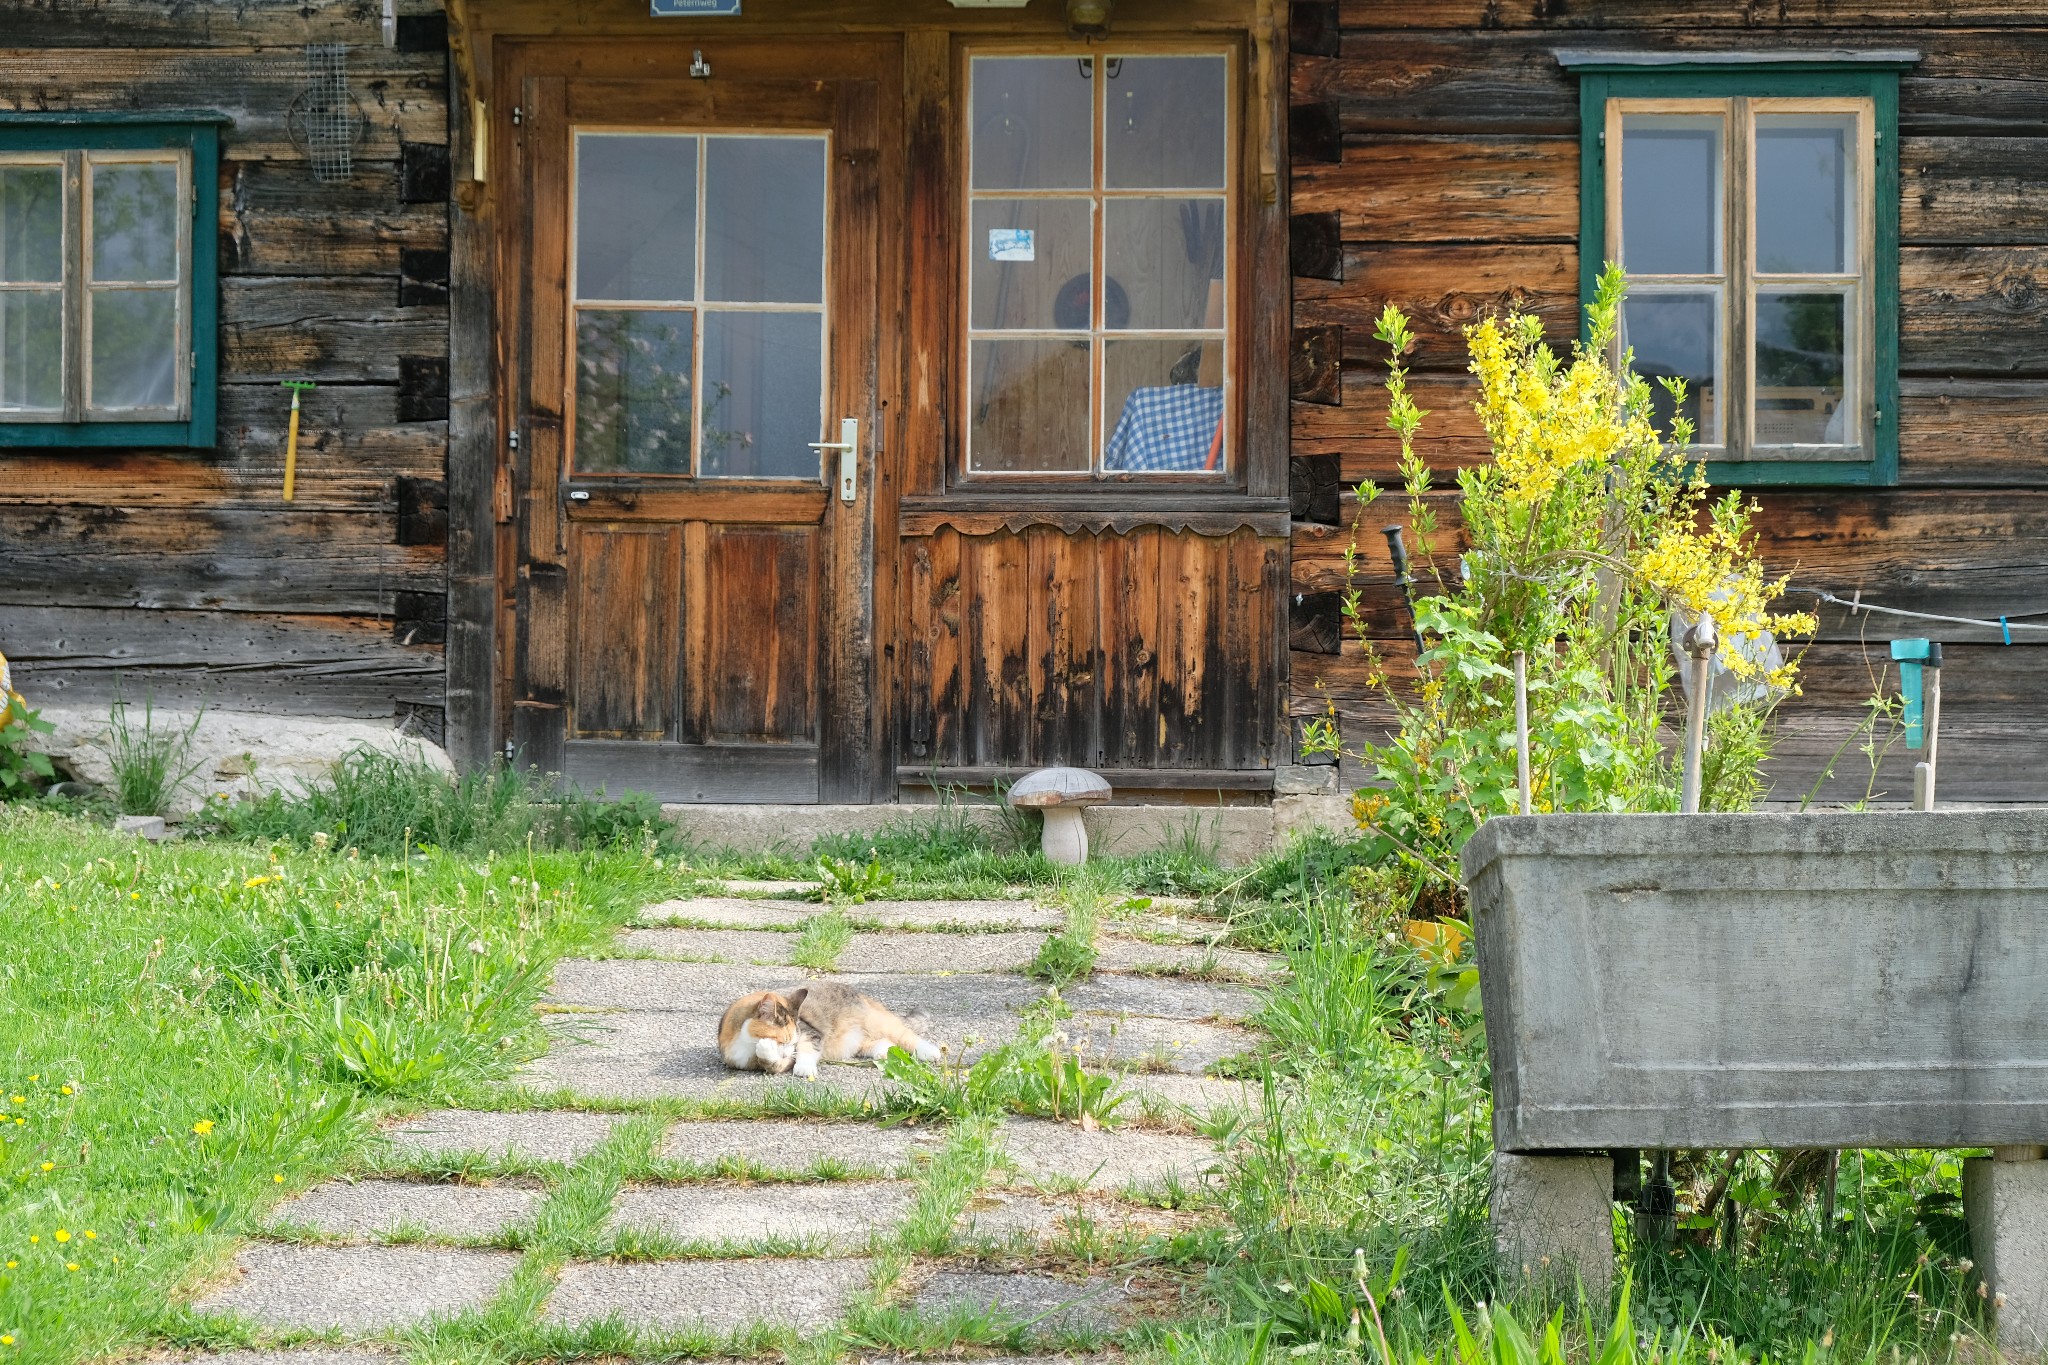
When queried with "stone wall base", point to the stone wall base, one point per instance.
{"points": [[1553, 1223], [2006, 1202]]}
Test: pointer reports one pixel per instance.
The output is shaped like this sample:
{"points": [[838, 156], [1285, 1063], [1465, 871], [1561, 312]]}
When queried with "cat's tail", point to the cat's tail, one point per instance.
{"points": [[919, 1020]]}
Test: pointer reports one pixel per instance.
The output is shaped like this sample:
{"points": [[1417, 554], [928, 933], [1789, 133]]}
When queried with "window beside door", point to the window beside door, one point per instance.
{"points": [[1100, 245], [698, 317]]}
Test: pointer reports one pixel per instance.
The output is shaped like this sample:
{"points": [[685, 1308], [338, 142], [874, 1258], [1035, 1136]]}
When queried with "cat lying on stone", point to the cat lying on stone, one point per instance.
{"points": [[827, 1022]]}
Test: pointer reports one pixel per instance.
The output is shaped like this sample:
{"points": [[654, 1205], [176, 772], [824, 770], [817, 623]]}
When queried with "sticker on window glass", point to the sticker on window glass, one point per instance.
{"points": [[1012, 244]]}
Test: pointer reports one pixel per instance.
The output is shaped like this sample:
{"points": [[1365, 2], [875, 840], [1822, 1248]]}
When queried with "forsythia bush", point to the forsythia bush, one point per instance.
{"points": [[1583, 537]]}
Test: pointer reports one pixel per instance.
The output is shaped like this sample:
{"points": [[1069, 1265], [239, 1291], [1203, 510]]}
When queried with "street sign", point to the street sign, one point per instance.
{"points": [[670, 9]]}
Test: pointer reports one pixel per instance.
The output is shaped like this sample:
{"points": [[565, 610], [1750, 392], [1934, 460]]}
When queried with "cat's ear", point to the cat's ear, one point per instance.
{"points": [[795, 999], [770, 1006]]}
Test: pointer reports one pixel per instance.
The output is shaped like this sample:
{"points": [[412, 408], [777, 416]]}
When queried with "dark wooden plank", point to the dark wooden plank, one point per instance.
{"points": [[1261, 321], [331, 330], [154, 24], [1973, 433], [1357, 430], [338, 666], [762, 633], [1315, 241], [472, 472], [1443, 289], [1974, 191], [1314, 28], [1562, 19], [626, 615], [1966, 310], [1315, 369], [929, 223], [636, 500], [1448, 189], [275, 219], [1129, 594], [915, 683], [200, 558], [771, 774], [1119, 779], [1313, 488], [1082, 521], [403, 96]]}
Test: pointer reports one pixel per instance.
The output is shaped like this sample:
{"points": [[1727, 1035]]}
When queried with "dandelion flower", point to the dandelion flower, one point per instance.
{"points": [[7, 1340], [49, 1165], [20, 1099], [13, 1265], [66, 1090], [203, 1127], [277, 1180], [71, 1265], [91, 1236], [63, 1234]]}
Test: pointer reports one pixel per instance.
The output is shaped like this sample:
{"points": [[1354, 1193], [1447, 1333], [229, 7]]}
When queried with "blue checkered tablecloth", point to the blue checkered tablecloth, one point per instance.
{"points": [[1166, 428]]}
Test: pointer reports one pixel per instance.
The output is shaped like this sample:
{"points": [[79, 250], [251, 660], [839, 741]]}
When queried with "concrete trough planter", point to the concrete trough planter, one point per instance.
{"points": [[1769, 980]]}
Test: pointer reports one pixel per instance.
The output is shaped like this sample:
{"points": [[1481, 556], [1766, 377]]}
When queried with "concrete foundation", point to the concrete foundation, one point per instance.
{"points": [[1553, 1222], [2006, 1202]]}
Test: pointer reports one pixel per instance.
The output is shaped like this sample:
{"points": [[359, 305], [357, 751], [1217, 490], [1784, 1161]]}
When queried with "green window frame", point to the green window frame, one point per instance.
{"points": [[58, 310], [1745, 85]]}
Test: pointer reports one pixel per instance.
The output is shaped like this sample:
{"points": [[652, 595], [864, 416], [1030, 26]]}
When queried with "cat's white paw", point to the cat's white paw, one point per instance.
{"points": [[806, 1066], [928, 1051]]}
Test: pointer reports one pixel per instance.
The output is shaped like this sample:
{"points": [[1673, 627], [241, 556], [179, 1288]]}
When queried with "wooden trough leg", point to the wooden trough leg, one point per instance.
{"points": [[1553, 1221], [2005, 1197]]}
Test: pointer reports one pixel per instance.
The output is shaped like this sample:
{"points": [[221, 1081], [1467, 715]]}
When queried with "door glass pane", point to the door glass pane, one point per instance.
{"points": [[1033, 119], [763, 400], [764, 219], [633, 383], [31, 350], [1028, 405], [1168, 256], [31, 224], [135, 221], [134, 348], [1164, 408], [1802, 341], [1805, 194], [1029, 270], [1671, 194], [636, 217], [1166, 123], [1678, 336]]}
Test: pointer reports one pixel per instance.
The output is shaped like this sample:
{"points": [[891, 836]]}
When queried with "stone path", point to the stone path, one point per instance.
{"points": [[661, 1201]]}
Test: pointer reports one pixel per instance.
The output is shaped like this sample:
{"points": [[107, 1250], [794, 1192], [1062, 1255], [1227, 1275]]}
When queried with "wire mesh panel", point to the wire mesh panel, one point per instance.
{"points": [[325, 121]]}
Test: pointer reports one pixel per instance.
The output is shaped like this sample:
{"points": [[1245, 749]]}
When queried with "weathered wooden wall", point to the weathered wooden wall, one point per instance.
{"points": [[1435, 159], [181, 573]]}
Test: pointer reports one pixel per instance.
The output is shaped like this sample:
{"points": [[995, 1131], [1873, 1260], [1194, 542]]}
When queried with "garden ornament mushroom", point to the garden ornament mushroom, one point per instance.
{"points": [[1060, 793]]}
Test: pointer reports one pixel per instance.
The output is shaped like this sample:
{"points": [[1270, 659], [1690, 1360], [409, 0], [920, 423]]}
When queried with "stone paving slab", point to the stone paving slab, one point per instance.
{"points": [[1060, 1153], [758, 946], [358, 1289], [700, 988], [972, 916], [296, 1356], [749, 886], [563, 1135], [1162, 997], [1128, 954], [943, 953], [844, 1216], [646, 1054], [1048, 1304], [1157, 1044], [998, 1218], [449, 1213], [793, 1147], [1199, 1095], [716, 1295]]}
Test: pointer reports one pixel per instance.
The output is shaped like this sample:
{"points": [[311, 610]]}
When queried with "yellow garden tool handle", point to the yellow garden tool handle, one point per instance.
{"points": [[291, 444]]}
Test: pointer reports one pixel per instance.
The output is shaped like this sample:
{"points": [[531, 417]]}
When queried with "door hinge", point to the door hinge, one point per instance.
{"points": [[518, 114]]}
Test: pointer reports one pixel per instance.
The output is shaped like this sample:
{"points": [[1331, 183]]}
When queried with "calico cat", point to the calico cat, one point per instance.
{"points": [[827, 1022]]}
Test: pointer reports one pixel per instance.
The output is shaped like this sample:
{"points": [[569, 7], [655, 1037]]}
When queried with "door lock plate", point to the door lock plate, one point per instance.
{"points": [[848, 446]]}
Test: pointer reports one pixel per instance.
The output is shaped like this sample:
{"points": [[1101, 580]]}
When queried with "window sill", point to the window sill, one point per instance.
{"points": [[45, 435], [1793, 473]]}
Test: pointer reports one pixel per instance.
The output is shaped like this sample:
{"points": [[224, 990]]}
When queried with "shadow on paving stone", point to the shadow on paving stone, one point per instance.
{"points": [[755, 946], [535, 1135], [718, 1296], [1047, 1305], [973, 916], [1177, 1045], [447, 1213], [908, 952], [793, 1147], [836, 1216], [358, 1289], [1060, 1153], [1162, 997]]}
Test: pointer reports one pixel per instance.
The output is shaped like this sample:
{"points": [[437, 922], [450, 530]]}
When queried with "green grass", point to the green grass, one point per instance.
{"points": [[823, 938]]}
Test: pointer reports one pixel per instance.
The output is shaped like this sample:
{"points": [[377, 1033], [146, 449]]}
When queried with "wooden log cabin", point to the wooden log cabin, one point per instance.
{"points": [[837, 400]]}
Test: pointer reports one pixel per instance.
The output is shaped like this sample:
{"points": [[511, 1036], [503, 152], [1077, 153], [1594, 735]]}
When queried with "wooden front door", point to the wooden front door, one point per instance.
{"points": [[697, 340]]}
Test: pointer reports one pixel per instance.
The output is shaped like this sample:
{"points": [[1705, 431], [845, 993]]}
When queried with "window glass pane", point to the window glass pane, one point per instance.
{"points": [[134, 348], [31, 224], [31, 350], [1165, 123], [1168, 255], [1802, 341], [1033, 123], [135, 221], [1805, 193], [1028, 405], [636, 217], [1030, 264], [633, 390], [763, 398], [1164, 405], [1678, 336], [764, 219], [1671, 194]]}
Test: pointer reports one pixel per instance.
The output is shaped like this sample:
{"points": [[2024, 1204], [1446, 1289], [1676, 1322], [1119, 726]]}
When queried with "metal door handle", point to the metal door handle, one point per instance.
{"points": [[848, 446]]}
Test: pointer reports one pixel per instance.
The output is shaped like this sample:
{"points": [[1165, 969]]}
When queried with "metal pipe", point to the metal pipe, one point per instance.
{"points": [[1404, 580], [1699, 643], [1522, 728], [1933, 686]]}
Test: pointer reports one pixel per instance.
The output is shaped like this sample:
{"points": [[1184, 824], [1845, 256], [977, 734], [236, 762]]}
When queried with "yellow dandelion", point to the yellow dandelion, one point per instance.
{"points": [[34, 1238], [14, 1265], [71, 1265], [134, 895], [6, 1340], [20, 1099], [91, 1236], [67, 1090], [63, 1234], [49, 1165], [256, 881], [203, 1127], [277, 1180]]}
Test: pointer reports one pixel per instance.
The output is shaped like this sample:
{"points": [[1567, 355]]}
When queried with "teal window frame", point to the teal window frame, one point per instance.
{"points": [[198, 134], [1761, 76]]}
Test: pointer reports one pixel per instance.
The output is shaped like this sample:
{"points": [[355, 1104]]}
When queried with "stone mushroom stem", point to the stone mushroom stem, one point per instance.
{"points": [[1065, 840]]}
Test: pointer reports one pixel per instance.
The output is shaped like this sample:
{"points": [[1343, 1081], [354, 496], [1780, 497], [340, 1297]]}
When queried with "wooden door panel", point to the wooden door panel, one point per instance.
{"points": [[628, 605], [760, 633]]}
